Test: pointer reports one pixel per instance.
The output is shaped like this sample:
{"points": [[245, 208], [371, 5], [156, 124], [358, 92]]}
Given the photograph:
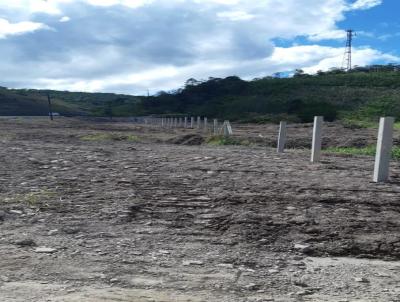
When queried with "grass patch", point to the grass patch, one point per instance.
{"points": [[358, 124], [226, 140], [109, 137], [368, 151], [31, 198]]}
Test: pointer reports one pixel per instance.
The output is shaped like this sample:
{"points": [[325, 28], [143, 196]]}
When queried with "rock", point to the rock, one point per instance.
{"points": [[26, 242], [4, 279], [45, 250], [192, 262], [305, 293], [361, 280], [52, 232], [273, 271], [18, 212], [251, 286], [71, 230], [303, 248], [225, 265]]}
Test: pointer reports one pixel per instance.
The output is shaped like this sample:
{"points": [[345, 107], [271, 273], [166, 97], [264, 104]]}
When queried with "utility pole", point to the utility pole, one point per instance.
{"points": [[347, 59], [50, 110]]}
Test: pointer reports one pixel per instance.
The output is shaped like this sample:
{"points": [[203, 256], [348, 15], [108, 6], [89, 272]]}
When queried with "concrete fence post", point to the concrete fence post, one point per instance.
{"points": [[215, 127], [317, 139], [198, 122], [227, 128], [192, 122], [282, 137], [185, 122], [383, 149], [206, 124]]}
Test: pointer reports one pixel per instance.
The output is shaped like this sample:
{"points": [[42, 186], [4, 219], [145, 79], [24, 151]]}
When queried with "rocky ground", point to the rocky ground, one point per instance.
{"points": [[99, 211]]}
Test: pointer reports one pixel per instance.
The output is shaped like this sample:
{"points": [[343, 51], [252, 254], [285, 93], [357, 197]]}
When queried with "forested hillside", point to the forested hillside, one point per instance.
{"points": [[365, 93], [34, 102]]}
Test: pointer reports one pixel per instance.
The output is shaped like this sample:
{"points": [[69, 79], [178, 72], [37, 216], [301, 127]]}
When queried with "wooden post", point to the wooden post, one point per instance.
{"points": [[317, 139], [282, 137], [383, 149]]}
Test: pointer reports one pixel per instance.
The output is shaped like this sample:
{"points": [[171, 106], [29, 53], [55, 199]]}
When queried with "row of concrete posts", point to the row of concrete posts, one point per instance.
{"points": [[198, 123], [383, 149]]}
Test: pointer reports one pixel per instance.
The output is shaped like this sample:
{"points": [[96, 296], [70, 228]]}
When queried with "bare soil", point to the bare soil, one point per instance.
{"points": [[135, 213]]}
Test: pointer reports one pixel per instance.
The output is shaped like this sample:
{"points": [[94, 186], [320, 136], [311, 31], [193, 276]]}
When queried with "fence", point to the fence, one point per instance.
{"points": [[183, 122], [383, 150]]}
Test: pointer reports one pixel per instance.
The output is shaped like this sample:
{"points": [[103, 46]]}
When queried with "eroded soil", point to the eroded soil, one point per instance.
{"points": [[144, 220]]}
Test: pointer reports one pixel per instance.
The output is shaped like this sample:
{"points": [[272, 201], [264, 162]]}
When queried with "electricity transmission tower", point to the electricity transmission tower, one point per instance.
{"points": [[347, 64]]}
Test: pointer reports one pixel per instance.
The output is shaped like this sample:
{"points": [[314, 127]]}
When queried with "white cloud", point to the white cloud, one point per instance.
{"points": [[236, 15], [65, 19], [132, 45], [10, 29], [336, 34], [312, 58], [128, 3], [365, 4]]}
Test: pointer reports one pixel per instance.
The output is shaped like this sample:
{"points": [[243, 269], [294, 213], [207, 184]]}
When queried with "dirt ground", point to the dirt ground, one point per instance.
{"points": [[101, 211]]}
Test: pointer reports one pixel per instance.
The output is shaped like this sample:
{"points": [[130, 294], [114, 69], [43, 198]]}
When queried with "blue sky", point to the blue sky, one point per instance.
{"points": [[129, 46], [378, 28]]}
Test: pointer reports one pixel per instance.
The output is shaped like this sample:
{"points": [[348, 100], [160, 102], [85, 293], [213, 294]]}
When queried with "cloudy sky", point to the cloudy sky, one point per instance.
{"points": [[129, 46]]}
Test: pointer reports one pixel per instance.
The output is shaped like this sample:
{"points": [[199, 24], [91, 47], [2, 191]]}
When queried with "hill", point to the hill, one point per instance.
{"points": [[34, 102], [362, 94], [365, 93]]}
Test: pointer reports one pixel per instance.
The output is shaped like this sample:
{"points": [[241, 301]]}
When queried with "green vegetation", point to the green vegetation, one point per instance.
{"points": [[369, 151], [219, 140], [109, 137], [31, 102], [31, 198], [358, 98]]}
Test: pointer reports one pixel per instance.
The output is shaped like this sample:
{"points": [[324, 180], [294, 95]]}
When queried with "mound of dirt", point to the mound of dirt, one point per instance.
{"points": [[189, 140]]}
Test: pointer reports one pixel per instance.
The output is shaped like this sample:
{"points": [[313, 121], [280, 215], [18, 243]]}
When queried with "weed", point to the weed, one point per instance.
{"points": [[368, 151], [226, 140], [31, 198]]}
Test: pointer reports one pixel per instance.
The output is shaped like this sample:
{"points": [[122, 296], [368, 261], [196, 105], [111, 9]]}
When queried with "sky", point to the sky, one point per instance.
{"points": [[135, 46]]}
